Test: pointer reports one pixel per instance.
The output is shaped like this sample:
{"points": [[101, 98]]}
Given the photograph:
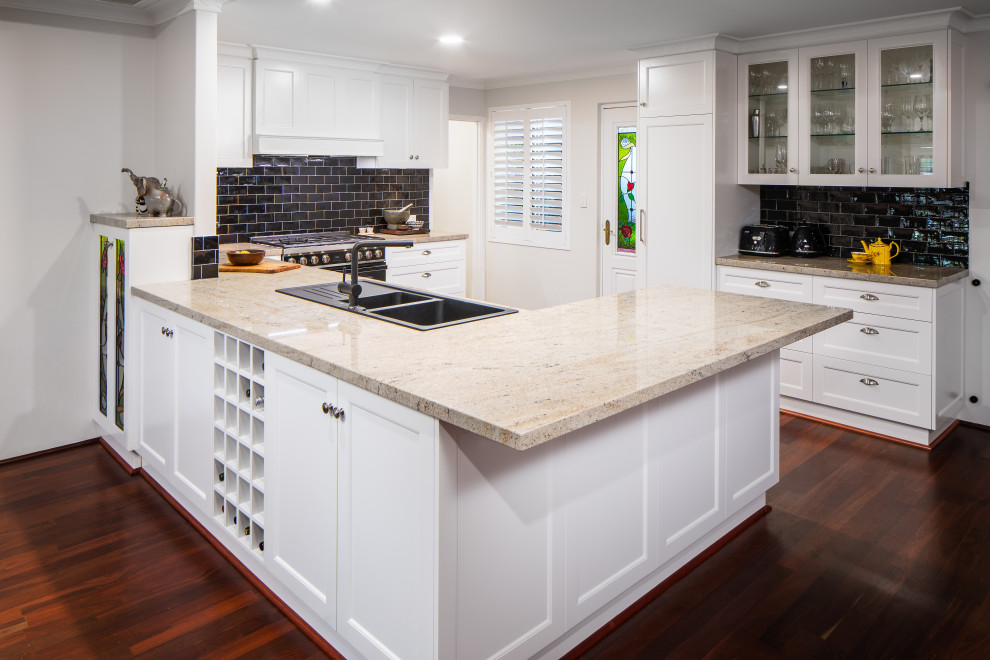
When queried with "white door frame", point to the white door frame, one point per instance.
{"points": [[604, 192], [478, 229]]}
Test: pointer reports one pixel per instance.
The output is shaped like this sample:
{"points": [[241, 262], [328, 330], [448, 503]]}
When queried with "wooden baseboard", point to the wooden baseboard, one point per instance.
{"points": [[45, 452], [872, 434], [131, 471], [656, 591], [289, 613], [982, 427]]}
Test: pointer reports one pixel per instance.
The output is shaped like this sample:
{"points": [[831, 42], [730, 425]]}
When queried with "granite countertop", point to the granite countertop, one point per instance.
{"points": [[270, 251], [134, 221], [519, 379], [931, 277], [432, 237]]}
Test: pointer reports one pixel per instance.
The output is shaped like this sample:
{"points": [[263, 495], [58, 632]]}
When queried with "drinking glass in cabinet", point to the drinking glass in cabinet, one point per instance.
{"points": [[906, 92], [767, 112], [833, 113]]}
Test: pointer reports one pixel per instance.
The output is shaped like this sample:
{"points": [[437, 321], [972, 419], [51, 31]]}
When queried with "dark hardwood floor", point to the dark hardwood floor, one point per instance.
{"points": [[873, 550], [95, 564]]}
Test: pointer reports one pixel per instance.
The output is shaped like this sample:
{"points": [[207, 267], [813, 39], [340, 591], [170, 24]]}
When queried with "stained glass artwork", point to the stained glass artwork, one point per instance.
{"points": [[119, 340], [104, 258], [626, 212]]}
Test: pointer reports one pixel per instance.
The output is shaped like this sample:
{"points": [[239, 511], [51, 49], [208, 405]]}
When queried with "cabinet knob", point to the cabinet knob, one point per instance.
{"points": [[259, 402], [873, 170], [247, 392], [861, 170], [762, 284], [868, 381], [426, 253], [869, 331], [326, 408], [976, 283], [974, 399], [339, 414], [163, 330], [427, 275], [417, 156], [643, 103], [793, 170], [410, 157], [869, 296]]}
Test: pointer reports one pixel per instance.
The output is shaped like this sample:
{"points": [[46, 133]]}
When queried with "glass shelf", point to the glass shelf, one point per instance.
{"points": [[906, 133], [908, 84], [832, 135], [832, 89], [760, 96], [769, 137]]}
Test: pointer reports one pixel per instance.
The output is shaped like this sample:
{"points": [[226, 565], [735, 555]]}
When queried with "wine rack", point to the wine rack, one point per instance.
{"points": [[239, 440]]}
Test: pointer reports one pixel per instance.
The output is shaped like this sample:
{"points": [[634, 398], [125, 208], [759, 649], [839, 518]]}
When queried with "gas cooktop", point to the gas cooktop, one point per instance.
{"points": [[314, 240]]}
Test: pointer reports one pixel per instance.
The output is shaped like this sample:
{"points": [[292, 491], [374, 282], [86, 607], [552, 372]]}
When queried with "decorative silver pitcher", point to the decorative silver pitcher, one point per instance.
{"points": [[153, 196]]}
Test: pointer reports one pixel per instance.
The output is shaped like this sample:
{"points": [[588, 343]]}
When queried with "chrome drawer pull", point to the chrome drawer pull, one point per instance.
{"points": [[427, 275], [869, 331], [868, 381], [427, 253], [762, 284], [869, 296]]}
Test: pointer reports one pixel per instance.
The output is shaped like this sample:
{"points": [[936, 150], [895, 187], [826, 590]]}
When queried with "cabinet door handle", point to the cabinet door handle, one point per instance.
{"points": [[793, 170], [861, 170], [873, 170], [410, 157], [427, 275], [643, 103], [417, 156], [338, 414], [427, 253], [869, 331], [327, 408], [869, 296], [868, 381], [163, 330], [762, 284], [642, 225]]}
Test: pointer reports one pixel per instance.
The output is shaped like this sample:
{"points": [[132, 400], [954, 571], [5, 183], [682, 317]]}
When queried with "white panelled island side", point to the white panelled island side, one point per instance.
{"points": [[500, 488]]}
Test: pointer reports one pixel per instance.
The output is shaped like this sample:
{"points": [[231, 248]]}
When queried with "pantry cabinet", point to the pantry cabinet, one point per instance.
{"points": [[879, 112]]}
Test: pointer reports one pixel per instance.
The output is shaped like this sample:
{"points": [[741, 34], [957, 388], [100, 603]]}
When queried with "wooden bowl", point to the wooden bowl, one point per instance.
{"points": [[245, 257]]}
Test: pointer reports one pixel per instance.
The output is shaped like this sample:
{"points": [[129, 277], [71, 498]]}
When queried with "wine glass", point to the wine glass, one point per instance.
{"points": [[770, 121], [923, 108], [828, 117], [780, 156], [907, 116], [887, 117]]}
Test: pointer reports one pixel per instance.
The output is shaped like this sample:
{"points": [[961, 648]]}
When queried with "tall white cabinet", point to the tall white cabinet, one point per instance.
{"points": [[692, 207]]}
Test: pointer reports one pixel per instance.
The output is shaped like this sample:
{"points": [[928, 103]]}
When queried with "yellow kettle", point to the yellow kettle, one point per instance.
{"points": [[880, 251]]}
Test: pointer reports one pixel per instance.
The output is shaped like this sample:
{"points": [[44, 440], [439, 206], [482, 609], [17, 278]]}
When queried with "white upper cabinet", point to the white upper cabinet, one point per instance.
{"points": [[414, 115], [882, 112], [234, 110], [677, 85]]}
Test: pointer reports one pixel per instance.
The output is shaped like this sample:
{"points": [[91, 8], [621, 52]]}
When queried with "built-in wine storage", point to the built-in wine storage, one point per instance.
{"points": [[239, 440]]}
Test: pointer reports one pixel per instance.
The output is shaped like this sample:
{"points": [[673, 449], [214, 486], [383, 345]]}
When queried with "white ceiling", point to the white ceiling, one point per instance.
{"points": [[505, 40], [521, 38]]}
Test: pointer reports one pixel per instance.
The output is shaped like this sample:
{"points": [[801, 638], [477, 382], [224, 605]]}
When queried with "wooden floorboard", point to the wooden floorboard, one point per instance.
{"points": [[95, 564], [872, 550]]}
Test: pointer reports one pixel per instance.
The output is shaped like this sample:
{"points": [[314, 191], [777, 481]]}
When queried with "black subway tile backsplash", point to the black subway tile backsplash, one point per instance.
{"points": [[291, 194], [205, 257], [930, 225]]}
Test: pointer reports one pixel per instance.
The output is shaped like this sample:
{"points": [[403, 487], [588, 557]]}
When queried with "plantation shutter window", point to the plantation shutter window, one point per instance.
{"points": [[529, 175]]}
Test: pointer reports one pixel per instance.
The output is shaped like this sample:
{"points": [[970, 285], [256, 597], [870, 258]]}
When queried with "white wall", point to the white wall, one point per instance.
{"points": [[467, 101], [457, 189], [978, 170], [531, 277], [77, 105]]}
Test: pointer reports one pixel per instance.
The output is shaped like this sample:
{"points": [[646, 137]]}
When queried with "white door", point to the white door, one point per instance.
{"points": [[156, 401], [617, 219], [676, 171], [191, 469]]}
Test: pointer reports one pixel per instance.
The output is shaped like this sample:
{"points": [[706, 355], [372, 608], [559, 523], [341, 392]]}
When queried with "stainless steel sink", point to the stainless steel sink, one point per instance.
{"points": [[413, 309]]}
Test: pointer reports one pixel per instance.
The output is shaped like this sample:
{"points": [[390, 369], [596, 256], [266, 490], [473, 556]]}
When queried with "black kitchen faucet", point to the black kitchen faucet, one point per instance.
{"points": [[353, 288]]}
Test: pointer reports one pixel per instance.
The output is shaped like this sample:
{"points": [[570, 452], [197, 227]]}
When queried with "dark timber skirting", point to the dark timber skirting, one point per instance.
{"points": [[656, 591], [53, 450], [881, 436], [131, 471]]}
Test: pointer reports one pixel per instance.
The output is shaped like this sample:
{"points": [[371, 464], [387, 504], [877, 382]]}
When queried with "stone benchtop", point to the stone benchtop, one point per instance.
{"points": [[930, 277], [520, 379]]}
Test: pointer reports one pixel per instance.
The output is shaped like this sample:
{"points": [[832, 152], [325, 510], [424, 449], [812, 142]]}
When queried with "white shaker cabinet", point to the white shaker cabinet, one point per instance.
{"points": [[414, 115], [235, 107], [174, 412], [437, 267]]}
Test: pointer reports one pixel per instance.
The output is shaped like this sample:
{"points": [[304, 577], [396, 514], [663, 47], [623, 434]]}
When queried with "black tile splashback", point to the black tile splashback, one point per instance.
{"points": [[292, 194], [205, 257], [930, 225]]}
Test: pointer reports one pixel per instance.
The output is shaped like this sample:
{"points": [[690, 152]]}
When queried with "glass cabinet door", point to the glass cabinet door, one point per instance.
{"points": [[833, 111], [768, 118], [909, 111]]}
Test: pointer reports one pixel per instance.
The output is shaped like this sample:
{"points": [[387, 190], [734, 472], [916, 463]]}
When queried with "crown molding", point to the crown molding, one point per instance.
{"points": [[956, 19], [562, 76], [467, 83], [148, 13]]}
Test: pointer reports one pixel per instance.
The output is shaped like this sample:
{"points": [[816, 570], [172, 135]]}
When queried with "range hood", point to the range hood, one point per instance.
{"points": [[282, 145]]}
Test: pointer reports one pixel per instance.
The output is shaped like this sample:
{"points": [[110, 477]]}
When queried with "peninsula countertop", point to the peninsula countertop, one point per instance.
{"points": [[931, 277], [520, 379]]}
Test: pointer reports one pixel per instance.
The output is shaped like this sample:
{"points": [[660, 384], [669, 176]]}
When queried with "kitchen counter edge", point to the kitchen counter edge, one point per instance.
{"points": [[931, 277]]}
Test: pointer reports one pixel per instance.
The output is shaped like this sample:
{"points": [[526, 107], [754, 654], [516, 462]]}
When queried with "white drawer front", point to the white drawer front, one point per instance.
{"points": [[766, 284], [900, 396], [424, 253], [795, 374], [906, 302], [880, 340], [438, 278]]}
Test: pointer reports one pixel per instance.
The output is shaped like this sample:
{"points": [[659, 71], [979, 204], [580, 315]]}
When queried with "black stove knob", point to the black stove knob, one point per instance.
{"points": [[314, 260], [379, 254], [347, 256], [325, 259], [291, 260]]}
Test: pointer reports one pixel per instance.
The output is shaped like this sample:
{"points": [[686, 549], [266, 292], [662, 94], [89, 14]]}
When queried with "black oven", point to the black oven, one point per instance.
{"points": [[374, 270]]}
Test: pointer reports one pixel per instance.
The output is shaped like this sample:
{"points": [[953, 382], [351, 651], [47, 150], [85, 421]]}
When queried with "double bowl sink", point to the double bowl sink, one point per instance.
{"points": [[413, 309]]}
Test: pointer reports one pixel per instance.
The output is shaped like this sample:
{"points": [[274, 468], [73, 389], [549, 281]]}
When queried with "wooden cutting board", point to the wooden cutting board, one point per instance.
{"points": [[264, 267]]}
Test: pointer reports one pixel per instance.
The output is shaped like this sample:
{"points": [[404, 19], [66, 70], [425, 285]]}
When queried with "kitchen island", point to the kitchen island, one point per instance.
{"points": [[501, 488]]}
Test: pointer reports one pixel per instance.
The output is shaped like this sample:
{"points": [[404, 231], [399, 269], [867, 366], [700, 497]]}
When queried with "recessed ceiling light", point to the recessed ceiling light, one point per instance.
{"points": [[451, 40], [320, 2]]}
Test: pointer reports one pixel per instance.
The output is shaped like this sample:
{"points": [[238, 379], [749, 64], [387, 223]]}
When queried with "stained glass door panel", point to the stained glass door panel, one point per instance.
{"points": [[626, 194]]}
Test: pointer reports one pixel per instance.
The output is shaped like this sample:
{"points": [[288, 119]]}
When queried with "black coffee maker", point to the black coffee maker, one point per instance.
{"points": [[807, 241]]}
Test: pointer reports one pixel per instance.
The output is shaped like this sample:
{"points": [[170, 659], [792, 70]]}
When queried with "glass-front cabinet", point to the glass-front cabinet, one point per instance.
{"points": [[768, 125], [833, 109], [882, 112]]}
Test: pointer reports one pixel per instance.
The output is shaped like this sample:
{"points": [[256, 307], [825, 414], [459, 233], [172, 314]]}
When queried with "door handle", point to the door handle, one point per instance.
{"points": [[608, 231], [642, 225]]}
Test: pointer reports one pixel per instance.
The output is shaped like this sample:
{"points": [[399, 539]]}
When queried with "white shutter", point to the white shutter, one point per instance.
{"points": [[529, 175]]}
